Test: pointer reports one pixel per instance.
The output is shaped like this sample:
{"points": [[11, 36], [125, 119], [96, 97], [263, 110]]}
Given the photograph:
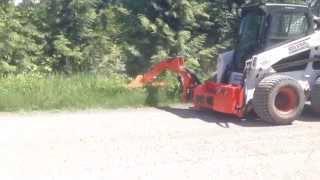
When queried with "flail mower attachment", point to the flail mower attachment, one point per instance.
{"points": [[138, 82], [224, 98], [176, 65]]}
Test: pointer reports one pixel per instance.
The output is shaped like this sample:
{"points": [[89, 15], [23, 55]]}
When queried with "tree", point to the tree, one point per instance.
{"points": [[114, 36], [20, 41], [81, 35], [195, 29]]}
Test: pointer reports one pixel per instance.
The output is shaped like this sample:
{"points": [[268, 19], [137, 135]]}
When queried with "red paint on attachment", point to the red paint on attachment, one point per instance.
{"points": [[224, 98]]}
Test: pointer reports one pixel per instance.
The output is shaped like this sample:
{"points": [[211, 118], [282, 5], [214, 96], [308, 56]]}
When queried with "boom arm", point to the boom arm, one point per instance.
{"points": [[176, 65]]}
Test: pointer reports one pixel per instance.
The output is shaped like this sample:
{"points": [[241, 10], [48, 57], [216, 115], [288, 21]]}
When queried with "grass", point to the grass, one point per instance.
{"points": [[58, 92]]}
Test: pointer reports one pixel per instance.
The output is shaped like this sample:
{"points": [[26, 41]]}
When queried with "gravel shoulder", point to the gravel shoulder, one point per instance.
{"points": [[155, 143]]}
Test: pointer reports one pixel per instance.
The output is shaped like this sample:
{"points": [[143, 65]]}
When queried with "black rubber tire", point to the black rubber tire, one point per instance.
{"points": [[266, 100], [315, 96]]}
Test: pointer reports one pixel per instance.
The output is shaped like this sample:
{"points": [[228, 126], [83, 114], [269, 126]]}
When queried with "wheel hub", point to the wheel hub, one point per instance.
{"points": [[287, 99]]}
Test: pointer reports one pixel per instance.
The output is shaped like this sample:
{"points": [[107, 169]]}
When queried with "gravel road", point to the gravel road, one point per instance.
{"points": [[155, 144]]}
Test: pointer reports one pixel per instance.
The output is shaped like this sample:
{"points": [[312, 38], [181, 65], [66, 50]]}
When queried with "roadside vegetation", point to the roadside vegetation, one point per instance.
{"points": [[82, 91], [57, 54]]}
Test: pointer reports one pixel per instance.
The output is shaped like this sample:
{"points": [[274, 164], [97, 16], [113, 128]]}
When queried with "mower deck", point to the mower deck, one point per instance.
{"points": [[224, 98]]}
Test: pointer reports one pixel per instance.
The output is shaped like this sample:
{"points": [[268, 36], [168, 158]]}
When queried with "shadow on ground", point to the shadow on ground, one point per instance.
{"points": [[309, 116], [224, 120]]}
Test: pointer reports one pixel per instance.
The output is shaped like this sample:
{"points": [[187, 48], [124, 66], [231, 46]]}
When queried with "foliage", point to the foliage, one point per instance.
{"points": [[194, 29], [114, 36], [81, 91], [110, 37], [20, 41]]}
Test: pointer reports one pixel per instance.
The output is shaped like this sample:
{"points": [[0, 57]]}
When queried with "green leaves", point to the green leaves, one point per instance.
{"points": [[112, 37], [62, 46], [147, 24], [20, 41], [187, 28]]}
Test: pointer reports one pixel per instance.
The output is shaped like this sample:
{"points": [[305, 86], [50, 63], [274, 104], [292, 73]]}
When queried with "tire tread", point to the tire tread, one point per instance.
{"points": [[261, 96]]}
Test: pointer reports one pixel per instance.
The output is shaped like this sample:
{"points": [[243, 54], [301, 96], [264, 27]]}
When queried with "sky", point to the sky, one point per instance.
{"points": [[17, 1]]}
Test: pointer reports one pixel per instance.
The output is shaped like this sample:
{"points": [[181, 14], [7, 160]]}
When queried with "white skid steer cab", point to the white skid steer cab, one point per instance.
{"points": [[274, 69]]}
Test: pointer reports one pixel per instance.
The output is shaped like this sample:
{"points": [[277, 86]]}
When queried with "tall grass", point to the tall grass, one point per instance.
{"points": [[82, 91]]}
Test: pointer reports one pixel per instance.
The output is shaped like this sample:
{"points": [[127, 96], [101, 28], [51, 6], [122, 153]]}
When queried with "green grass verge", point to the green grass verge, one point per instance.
{"points": [[58, 92]]}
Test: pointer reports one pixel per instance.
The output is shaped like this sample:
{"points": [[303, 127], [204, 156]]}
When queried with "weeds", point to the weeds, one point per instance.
{"points": [[59, 92]]}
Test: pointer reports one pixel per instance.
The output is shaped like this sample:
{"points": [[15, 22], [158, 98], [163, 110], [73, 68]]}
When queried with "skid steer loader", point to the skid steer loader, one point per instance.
{"points": [[273, 70]]}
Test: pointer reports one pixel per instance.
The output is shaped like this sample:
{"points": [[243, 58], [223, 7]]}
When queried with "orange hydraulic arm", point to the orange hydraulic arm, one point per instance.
{"points": [[176, 65]]}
